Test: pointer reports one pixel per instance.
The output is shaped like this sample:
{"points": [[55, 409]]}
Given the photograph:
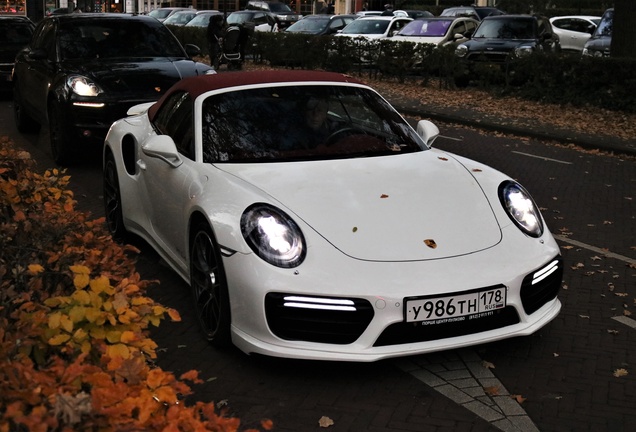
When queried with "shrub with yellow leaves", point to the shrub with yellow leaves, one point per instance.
{"points": [[74, 341]]}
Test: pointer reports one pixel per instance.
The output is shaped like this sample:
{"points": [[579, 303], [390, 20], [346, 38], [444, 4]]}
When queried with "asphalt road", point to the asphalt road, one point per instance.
{"points": [[560, 378]]}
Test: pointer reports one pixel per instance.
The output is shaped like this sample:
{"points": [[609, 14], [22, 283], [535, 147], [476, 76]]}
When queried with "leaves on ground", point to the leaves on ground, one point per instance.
{"points": [[325, 422]]}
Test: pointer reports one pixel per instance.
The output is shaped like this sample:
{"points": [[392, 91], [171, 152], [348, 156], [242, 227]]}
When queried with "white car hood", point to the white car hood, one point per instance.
{"points": [[420, 39], [397, 208]]}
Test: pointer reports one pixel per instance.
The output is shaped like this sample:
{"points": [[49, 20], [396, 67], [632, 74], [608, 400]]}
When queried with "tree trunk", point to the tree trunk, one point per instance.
{"points": [[623, 40]]}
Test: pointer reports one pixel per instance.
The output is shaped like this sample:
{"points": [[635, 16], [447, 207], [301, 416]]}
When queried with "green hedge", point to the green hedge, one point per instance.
{"points": [[607, 83]]}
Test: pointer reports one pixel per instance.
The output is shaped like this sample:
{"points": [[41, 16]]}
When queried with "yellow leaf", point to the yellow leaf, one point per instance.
{"points": [[36, 268], [80, 335], [59, 339], [101, 284], [136, 301], [118, 350], [80, 269], [86, 347], [174, 315], [127, 337], [54, 320], [81, 280], [77, 314], [66, 323], [113, 336], [98, 333], [82, 297]]}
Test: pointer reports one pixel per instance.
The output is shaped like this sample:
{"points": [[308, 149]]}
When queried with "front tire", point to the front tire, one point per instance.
{"points": [[209, 287], [112, 200], [23, 121], [61, 145]]}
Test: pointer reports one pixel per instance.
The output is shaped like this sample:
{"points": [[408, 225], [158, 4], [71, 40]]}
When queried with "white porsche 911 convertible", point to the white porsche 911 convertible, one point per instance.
{"points": [[312, 221]]}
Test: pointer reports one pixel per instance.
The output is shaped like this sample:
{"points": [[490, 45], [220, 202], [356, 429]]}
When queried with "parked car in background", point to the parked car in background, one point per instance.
{"points": [[15, 34], [180, 18], [599, 44], [392, 269], [439, 31], [415, 14], [475, 12], [503, 38], [202, 18], [374, 27], [574, 30], [81, 72], [254, 20], [321, 24], [369, 13], [161, 14], [284, 15]]}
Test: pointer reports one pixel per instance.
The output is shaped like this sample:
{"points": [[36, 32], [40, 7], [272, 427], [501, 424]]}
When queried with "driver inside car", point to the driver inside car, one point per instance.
{"points": [[319, 125]]}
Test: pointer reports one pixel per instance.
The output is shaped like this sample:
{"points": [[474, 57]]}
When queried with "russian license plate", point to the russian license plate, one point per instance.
{"points": [[459, 307]]}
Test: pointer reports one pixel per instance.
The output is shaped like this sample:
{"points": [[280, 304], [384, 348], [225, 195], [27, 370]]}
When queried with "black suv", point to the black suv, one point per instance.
{"points": [[501, 39], [81, 72], [475, 12], [284, 15], [599, 44]]}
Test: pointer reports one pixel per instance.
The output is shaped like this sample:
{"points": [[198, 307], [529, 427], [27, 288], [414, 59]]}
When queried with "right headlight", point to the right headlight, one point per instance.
{"points": [[521, 208], [461, 50], [83, 86], [273, 235]]}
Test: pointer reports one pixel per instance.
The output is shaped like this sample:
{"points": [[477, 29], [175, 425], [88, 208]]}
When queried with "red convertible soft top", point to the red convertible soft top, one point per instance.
{"points": [[201, 84]]}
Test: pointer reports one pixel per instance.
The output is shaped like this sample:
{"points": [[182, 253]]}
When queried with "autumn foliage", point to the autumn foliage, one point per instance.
{"points": [[74, 346]]}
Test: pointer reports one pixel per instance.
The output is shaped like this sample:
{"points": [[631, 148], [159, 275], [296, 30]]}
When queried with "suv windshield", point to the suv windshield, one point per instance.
{"points": [[425, 27], [116, 38], [366, 26], [313, 122], [506, 28], [605, 27]]}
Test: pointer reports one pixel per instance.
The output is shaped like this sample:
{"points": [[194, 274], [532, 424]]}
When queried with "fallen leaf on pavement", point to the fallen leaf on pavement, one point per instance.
{"points": [[325, 422], [492, 391], [520, 399], [620, 373], [487, 364]]}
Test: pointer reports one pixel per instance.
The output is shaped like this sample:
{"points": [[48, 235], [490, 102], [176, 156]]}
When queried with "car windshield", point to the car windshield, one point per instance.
{"points": [[605, 27], [180, 18], [306, 25], [366, 26], [431, 28], [239, 18], [277, 7], [116, 38], [201, 20], [15, 32], [160, 13], [312, 122], [509, 28]]}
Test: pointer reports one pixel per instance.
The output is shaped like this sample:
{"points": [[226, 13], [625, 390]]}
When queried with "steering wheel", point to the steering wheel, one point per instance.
{"points": [[337, 135]]}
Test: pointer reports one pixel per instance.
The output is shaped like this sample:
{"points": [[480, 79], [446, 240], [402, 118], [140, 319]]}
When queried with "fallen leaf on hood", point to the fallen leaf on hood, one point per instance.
{"points": [[442, 158], [325, 422], [384, 196], [430, 243]]}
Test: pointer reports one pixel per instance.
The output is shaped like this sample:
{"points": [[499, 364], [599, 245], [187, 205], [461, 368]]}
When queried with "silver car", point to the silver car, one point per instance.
{"points": [[574, 30]]}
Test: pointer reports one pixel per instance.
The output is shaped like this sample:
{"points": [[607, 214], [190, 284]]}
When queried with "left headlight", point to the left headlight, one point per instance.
{"points": [[273, 235], [82, 86], [524, 50], [521, 208]]}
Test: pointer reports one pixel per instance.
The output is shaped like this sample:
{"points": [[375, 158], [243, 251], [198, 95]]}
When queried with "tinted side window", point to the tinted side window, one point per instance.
{"points": [[45, 39], [176, 120]]}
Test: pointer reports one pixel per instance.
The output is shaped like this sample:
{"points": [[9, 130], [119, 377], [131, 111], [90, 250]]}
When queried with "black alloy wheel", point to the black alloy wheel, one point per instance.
{"points": [[23, 122], [112, 200], [209, 287], [61, 145]]}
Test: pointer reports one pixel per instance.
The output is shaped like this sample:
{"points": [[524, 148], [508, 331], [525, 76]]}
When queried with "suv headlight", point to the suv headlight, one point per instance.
{"points": [[523, 50], [521, 208], [273, 235], [461, 50], [82, 86]]}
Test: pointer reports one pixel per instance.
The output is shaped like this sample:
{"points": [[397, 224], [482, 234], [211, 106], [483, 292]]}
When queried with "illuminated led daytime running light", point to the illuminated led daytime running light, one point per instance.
{"points": [[545, 272]]}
